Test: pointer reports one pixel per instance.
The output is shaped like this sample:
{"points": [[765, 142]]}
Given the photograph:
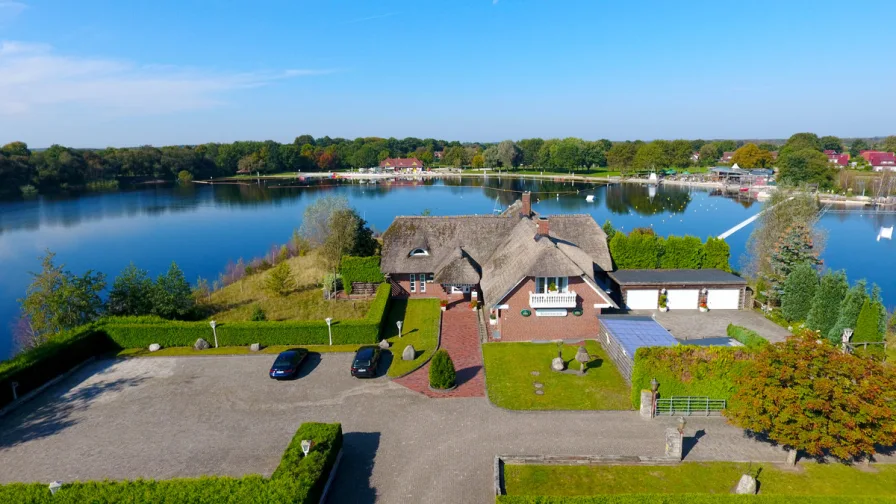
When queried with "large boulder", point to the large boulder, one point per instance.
{"points": [[255, 347], [558, 364], [385, 344], [201, 344], [155, 347], [746, 485], [409, 353]]}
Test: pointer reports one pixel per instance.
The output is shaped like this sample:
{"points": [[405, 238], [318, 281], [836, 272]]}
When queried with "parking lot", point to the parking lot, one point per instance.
{"points": [[692, 324], [164, 417]]}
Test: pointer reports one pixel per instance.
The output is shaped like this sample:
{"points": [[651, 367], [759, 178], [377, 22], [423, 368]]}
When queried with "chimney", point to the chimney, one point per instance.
{"points": [[544, 226], [526, 211]]}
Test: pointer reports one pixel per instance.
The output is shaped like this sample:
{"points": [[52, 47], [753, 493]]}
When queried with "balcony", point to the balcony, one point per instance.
{"points": [[553, 300]]}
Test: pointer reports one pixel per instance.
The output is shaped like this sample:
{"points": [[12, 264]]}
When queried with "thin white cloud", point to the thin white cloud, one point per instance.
{"points": [[10, 9], [33, 76]]}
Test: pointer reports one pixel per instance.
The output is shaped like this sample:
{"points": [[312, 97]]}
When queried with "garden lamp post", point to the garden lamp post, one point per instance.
{"points": [[847, 335], [399, 328], [654, 386], [306, 446], [214, 331], [54, 487], [329, 322], [682, 423]]}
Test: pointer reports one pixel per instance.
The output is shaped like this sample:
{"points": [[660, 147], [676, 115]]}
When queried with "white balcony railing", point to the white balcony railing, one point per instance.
{"points": [[553, 300]]}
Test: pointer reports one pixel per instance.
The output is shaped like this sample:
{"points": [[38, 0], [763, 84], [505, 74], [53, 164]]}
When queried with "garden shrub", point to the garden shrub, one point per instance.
{"points": [[441, 371], [716, 254], [258, 314], [692, 499], [59, 354], [682, 252], [360, 269], [687, 370], [297, 480], [799, 291], [826, 304], [750, 339]]}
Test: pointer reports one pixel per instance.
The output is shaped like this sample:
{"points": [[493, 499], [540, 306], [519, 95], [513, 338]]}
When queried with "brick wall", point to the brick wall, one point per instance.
{"points": [[401, 288], [515, 327]]}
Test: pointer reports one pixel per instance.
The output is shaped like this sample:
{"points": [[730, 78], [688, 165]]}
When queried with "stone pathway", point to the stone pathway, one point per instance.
{"points": [[460, 337]]}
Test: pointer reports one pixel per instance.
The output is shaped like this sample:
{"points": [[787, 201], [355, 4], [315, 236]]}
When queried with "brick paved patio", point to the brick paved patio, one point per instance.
{"points": [[460, 337]]}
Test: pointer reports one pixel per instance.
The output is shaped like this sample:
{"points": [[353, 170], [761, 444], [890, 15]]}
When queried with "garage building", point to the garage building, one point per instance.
{"points": [[685, 289]]}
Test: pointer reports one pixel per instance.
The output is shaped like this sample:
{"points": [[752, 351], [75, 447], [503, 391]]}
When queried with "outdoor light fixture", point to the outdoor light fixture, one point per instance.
{"points": [[329, 321], [306, 446], [399, 328], [54, 487], [654, 385], [681, 425], [214, 331]]}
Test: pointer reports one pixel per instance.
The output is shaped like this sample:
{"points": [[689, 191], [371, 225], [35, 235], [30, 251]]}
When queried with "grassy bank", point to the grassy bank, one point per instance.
{"points": [[509, 371], [707, 478], [420, 328]]}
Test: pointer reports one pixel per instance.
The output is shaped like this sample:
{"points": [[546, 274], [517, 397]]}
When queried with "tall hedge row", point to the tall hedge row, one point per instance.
{"points": [[749, 338], [297, 480], [360, 269], [687, 370], [693, 499], [644, 250]]}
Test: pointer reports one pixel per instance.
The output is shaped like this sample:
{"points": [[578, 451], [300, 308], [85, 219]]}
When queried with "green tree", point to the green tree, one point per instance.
{"points": [[652, 156], [57, 299], [796, 247], [878, 304], [258, 314], [831, 143], [812, 398], [781, 213], [682, 252], [637, 250], [621, 156], [172, 297], [529, 148], [849, 311], [726, 146], [680, 153], [867, 324], [509, 154], [751, 156], [441, 371], [826, 305], [857, 146], [709, 154], [131, 293], [609, 230], [478, 161], [316, 218], [770, 147], [889, 144], [278, 280], [184, 177], [716, 254], [802, 141], [799, 291], [806, 166]]}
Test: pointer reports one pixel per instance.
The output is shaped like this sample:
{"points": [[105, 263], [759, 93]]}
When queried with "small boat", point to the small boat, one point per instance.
{"points": [[885, 233], [589, 198]]}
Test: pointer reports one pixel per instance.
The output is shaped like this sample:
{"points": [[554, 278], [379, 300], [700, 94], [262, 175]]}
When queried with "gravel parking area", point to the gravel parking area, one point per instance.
{"points": [[163, 417], [691, 324]]}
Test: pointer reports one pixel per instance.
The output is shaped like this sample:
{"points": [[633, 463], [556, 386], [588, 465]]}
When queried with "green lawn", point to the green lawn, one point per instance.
{"points": [[510, 383], [231, 350], [711, 478], [420, 328]]}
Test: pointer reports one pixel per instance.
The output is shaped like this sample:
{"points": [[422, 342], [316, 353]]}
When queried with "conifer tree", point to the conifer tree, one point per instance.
{"points": [[799, 291], [826, 305], [849, 311], [867, 324]]}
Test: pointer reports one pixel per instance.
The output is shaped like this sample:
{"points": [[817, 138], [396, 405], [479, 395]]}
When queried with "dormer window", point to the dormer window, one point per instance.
{"points": [[419, 252]]}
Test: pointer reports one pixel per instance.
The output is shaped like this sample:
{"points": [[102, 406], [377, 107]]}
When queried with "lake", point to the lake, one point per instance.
{"points": [[202, 227]]}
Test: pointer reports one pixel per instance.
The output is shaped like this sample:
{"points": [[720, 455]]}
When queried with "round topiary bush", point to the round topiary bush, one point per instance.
{"points": [[441, 371]]}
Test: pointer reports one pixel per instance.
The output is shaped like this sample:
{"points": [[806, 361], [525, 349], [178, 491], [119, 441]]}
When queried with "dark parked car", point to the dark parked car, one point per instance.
{"points": [[366, 361], [287, 363]]}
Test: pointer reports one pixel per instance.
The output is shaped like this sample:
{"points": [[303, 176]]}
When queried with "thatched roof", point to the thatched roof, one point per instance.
{"points": [[495, 251]]}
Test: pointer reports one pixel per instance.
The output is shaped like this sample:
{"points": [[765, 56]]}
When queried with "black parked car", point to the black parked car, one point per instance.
{"points": [[287, 363], [366, 361]]}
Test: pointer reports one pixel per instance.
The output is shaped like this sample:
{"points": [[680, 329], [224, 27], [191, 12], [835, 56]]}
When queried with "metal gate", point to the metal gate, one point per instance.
{"points": [[689, 405]]}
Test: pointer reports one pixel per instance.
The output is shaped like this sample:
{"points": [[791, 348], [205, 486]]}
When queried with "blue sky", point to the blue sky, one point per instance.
{"points": [[93, 73]]}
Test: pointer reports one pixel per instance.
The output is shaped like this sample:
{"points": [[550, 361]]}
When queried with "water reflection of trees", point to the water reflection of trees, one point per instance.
{"points": [[637, 198]]}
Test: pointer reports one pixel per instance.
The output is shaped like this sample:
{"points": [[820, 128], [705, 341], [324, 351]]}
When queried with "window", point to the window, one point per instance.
{"points": [[543, 284], [419, 252], [413, 282], [422, 277]]}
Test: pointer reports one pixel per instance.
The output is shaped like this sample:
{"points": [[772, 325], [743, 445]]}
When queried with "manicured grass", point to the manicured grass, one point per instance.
{"points": [[510, 383], [231, 350], [420, 328], [306, 302], [709, 477]]}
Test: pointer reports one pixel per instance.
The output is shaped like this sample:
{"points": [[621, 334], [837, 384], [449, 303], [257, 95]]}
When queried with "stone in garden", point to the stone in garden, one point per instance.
{"points": [[746, 485], [534, 373], [557, 364], [538, 385], [201, 344], [384, 344], [539, 392], [155, 347], [409, 353], [255, 347]]}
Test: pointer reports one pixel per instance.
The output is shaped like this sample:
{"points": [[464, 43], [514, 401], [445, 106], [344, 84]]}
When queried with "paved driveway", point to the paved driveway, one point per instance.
{"points": [[165, 417], [691, 324]]}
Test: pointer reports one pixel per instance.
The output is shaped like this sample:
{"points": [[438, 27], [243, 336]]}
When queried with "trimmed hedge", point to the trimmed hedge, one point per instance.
{"points": [[59, 354], [140, 332], [749, 338], [360, 269], [687, 370], [692, 499], [297, 480]]}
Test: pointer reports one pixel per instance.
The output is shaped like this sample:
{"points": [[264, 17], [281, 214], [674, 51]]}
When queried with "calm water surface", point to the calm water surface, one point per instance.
{"points": [[203, 227]]}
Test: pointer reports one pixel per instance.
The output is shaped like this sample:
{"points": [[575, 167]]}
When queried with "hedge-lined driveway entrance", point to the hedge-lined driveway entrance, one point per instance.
{"points": [[161, 417]]}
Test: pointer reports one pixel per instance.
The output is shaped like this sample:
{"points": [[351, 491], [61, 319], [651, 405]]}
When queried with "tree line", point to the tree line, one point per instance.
{"points": [[26, 171]]}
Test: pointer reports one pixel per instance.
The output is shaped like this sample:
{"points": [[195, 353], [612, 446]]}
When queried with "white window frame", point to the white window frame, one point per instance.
{"points": [[413, 282], [541, 284], [418, 252], [422, 277]]}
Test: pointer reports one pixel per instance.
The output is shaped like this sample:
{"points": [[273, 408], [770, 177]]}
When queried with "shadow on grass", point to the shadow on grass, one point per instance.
{"points": [[353, 482], [397, 311], [52, 411]]}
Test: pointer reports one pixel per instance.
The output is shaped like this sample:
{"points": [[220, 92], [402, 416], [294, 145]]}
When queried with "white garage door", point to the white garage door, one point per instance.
{"points": [[683, 299], [642, 299], [723, 299]]}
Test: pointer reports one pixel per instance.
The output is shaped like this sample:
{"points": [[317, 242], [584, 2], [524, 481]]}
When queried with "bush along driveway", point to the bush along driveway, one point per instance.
{"points": [[420, 329], [519, 377]]}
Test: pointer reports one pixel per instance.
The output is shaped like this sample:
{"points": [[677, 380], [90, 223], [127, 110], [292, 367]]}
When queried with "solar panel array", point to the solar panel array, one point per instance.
{"points": [[636, 332]]}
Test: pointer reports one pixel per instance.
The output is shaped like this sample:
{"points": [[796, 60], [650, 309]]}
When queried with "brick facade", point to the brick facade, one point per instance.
{"points": [[401, 288], [513, 326]]}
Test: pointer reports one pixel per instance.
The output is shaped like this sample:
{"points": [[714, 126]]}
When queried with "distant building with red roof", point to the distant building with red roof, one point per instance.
{"points": [[868, 153], [401, 164], [726, 157], [881, 161], [838, 159]]}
